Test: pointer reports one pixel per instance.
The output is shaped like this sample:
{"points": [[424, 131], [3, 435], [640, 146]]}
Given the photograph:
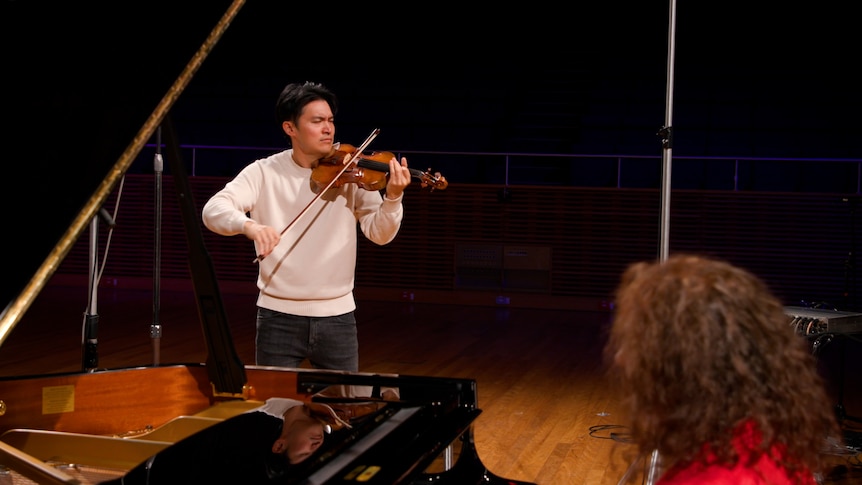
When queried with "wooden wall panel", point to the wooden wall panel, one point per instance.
{"points": [[802, 244]]}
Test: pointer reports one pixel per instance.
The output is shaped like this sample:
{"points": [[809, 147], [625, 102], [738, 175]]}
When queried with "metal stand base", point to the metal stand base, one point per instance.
{"points": [[653, 471]]}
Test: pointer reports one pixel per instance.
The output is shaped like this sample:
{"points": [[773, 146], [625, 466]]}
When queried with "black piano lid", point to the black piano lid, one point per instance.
{"points": [[81, 79]]}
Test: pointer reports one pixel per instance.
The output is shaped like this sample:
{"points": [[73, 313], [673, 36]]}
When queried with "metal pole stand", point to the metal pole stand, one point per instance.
{"points": [[653, 471]]}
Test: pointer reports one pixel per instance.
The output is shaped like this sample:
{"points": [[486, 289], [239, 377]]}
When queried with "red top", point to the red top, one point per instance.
{"points": [[766, 471]]}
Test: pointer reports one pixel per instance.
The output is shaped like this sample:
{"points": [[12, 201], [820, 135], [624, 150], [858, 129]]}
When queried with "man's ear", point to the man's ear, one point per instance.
{"points": [[288, 128], [279, 446]]}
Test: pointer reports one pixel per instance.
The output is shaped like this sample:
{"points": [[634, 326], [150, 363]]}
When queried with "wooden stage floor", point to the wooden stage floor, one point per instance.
{"points": [[548, 414]]}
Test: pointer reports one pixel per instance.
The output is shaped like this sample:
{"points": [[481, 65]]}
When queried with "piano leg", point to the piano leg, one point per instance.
{"points": [[468, 468]]}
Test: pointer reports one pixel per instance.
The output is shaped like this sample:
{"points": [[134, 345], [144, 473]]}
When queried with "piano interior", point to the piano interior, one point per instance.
{"points": [[103, 79]]}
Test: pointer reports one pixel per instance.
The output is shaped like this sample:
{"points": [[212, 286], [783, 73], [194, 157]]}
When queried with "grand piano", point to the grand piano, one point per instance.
{"points": [[89, 87]]}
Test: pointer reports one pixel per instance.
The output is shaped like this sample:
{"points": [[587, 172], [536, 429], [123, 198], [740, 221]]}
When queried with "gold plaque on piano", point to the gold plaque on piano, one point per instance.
{"points": [[58, 399]]}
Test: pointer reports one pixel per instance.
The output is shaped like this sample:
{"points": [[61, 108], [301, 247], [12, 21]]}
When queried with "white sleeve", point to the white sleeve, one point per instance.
{"points": [[225, 212], [277, 406]]}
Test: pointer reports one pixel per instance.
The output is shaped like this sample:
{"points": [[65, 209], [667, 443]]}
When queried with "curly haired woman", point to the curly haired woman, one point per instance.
{"points": [[714, 378]]}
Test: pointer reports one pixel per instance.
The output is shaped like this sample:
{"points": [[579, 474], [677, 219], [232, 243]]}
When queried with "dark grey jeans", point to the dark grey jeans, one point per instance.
{"points": [[286, 340]]}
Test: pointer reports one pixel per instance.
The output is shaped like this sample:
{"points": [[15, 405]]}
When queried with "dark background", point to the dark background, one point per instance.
{"points": [[759, 79], [771, 80]]}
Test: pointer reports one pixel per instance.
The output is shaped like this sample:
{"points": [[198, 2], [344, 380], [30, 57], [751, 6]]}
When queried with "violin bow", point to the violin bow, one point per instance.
{"points": [[350, 162]]}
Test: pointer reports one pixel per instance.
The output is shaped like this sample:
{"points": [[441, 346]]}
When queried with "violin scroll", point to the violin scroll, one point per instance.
{"points": [[435, 181]]}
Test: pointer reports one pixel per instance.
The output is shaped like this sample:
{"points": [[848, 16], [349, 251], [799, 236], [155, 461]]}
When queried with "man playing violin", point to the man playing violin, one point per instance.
{"points": [[305, 236]]}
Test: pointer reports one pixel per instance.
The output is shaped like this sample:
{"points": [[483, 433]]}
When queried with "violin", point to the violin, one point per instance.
{"points": [[369, 170]]}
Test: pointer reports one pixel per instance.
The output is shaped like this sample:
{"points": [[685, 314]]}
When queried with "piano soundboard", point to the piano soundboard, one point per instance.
{"points": [[816, 321]]}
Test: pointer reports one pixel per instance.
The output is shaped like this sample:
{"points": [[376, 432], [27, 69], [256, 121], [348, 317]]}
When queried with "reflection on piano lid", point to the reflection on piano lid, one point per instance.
{"points": [[816, 321]]}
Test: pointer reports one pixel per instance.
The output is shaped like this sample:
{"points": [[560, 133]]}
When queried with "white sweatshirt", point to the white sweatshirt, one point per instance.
{"points": [[312, 269]]}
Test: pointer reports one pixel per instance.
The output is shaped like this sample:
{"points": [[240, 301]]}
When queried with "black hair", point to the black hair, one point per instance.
{"points": [[295, 96], [276, 465]]}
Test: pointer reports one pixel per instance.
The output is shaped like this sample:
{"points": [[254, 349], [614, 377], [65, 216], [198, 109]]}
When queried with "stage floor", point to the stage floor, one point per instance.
{"points": [[547, 412]]}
